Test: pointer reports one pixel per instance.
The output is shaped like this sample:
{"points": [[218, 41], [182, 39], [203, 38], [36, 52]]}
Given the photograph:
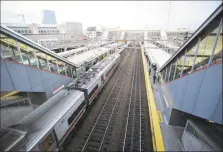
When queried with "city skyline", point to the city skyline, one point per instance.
{"points": [[112, 14]]}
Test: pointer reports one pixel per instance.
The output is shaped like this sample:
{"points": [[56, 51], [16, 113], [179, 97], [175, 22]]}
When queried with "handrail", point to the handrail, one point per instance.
{"points": [[33, 44]]}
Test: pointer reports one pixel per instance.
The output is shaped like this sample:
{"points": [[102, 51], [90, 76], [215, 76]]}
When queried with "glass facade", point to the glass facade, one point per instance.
{"points": [[9, 49], [61, 68], [189, 59], [172, 72], [200, 52], [218, 50], [206, 46], [179, 66], [167, 73], [69, 70], [13, 50], [52, 63]]}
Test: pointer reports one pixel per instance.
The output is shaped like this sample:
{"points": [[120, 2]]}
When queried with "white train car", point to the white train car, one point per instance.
{"points": [[120, 46], [69, 53], [47, 127], [97, 76], [72, 52]]}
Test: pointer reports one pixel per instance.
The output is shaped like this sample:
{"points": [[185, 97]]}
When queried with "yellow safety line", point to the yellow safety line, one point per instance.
{"points": [[157, 138]]}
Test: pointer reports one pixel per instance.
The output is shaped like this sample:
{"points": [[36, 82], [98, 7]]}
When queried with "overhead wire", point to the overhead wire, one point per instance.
{"points": [[168, 18]]}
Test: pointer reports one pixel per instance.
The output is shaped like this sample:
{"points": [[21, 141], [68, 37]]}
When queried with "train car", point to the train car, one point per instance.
{"points": [[46, 128], [120, 46], [72, 52], [97, 76]]}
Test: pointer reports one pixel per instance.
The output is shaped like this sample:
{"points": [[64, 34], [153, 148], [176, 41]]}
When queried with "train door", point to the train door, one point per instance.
{"points": [[49, 143]]}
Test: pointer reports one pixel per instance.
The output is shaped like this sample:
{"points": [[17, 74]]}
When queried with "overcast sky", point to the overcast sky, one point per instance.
{"points": [[126, 14]]}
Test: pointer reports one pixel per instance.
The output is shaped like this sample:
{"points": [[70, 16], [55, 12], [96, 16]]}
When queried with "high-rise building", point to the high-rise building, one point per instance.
{"points": [[49, 17]]}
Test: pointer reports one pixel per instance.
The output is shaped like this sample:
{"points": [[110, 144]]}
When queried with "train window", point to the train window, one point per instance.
{"points": [[206, 45], [52, 64], [179, 66], [48, 142], [76, 112], [218, 50], [92, 92], [189, 58]]}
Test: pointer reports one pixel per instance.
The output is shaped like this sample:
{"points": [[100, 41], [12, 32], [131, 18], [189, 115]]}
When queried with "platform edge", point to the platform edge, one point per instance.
{"points": [[157, 137]]}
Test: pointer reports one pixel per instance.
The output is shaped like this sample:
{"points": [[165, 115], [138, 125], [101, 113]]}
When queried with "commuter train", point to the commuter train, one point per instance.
{"points": [[47, 127], [72, 52]]}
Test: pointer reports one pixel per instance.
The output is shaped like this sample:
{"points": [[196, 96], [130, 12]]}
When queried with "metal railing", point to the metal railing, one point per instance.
{"points": [[17, 48]]}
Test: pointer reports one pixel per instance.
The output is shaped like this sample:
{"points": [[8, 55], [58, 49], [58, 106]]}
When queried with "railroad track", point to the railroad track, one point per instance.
{"points": [[100, 132], [134, 126], [123, 100]]}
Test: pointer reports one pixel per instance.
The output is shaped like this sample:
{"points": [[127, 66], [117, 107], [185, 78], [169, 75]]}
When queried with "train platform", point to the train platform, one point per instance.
{"points": [[171, 135]]}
